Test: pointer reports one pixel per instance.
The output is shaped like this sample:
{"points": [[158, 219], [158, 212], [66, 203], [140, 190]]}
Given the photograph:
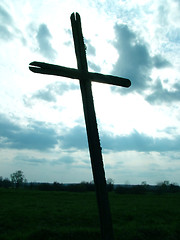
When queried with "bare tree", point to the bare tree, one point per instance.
{"points": [[18, 178]]}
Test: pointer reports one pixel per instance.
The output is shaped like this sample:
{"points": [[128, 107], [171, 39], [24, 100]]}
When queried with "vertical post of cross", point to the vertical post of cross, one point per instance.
{"points": [[92, 132]]}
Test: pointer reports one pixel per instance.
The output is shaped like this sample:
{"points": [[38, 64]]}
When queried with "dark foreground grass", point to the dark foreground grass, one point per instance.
{"points": [[36, 215]]}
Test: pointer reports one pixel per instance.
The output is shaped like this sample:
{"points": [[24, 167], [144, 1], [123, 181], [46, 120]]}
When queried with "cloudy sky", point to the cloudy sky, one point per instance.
{"points": [[42, 129]]}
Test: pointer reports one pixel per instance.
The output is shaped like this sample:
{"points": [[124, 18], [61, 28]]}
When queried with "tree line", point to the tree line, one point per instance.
{"points": [[18, 180]]}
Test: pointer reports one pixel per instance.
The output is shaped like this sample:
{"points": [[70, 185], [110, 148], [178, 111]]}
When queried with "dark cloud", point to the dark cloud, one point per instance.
{"points": [[160, 62], [35, 136], [30, 160], [39, 136], [76, 138], [161, 95], [140, 142], [45, 94], [134, 60], [5, 34], [63, 160], [52, 90], [94, 67], [8, 29], [43, 38], [89, 48], [5, 17], [36, 161], [6, 22]]}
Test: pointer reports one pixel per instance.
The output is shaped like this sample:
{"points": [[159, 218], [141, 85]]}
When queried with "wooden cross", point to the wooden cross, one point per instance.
{"points": [[85, 79]]}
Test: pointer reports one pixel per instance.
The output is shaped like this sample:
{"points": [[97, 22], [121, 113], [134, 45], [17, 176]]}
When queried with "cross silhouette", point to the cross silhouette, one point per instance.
{"points": [[85, 79]]}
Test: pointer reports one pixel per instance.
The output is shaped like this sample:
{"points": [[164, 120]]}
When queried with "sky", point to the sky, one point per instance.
{"points": [[42, 128]]}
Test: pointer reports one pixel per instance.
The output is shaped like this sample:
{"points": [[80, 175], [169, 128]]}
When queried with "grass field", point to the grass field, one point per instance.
{"points": [[36, 215]]}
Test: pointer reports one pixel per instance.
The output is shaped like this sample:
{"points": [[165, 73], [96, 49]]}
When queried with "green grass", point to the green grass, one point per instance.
{"points": [[31, 215]]}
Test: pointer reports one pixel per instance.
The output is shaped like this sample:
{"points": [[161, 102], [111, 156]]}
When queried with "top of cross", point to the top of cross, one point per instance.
{"points": [[82, 71]]}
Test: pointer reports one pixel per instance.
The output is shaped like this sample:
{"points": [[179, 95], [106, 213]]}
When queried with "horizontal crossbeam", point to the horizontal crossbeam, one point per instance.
{"points": [[51, 69]]}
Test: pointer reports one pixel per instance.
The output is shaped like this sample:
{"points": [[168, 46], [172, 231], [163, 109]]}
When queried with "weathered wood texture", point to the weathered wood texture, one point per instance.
{"points": [[92, 133]]}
